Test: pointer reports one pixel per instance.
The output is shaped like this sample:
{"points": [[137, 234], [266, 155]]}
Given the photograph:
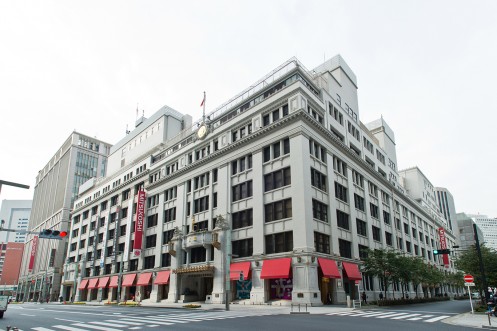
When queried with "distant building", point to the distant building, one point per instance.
{"points": [[447, 207], [79, 159], [488, 227], [15, 215], [11, 254], [466, 231]]}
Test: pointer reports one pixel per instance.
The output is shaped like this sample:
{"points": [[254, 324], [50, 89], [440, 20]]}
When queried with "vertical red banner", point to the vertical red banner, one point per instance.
{"points": [[34, 246], [140, 220], [443, 245]]}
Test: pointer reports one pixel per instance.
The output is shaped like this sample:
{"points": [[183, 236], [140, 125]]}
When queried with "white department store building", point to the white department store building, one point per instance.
{"points": [[284, 179]]}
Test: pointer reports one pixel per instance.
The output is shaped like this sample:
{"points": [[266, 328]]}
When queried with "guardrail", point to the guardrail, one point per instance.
{"points": [[299, 305]]}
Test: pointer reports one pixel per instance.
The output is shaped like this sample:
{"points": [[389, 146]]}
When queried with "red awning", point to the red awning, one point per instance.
{"points": [[278, 268], [352, 271], [144, 279], [83, 284], [113, 282], [162, 277], [103, 282], [128, 280], [329, 268], [93, 284], [236, 268]]}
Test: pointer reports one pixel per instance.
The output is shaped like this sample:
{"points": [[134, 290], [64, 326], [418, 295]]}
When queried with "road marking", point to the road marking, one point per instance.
{"points": [[96, 327], [380, 314], [391, 315], [72, 321], [110, 324], [27, 314], [153, 326], [438, 318], [418, 318], [41, 329], [405, 316], [117, 313], [125, 322], [147, 321], [69, 328], [136, 327]]}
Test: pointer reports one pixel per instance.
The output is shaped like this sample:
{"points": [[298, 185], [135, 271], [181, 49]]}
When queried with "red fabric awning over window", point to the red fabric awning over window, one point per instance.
{"points": [[352, 271], [128, 280], [113, 282], [144, 279], [93, 284], [329, 268], [102, 283], [235, 269], [83, 284], [162, 277], [278, 268]]}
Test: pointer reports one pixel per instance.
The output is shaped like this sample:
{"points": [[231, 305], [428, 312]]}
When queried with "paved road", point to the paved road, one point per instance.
{"points": [[108, 318]]}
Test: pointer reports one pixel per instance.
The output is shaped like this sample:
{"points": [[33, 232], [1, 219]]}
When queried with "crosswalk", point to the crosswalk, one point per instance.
{"points": [[120, 323], [393, 315]]}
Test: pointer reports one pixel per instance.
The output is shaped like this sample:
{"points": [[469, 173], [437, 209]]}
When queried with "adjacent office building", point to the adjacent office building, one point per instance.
{"points": [[488, 228], [57, 185], [466, 227], [280, 191]]}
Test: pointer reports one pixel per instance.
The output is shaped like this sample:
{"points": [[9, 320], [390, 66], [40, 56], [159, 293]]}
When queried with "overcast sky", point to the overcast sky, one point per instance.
{"points": [[428, 67]]}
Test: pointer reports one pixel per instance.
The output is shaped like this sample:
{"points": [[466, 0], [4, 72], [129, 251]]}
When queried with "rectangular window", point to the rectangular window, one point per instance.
{"points": [[242, 191], [359, 202], [373, 210], [243, 248], [169, 215], [362, 227], [149, 262], [279, 242], [376, 233], [201, 204], [318, 179], [388, 238], [152, 220], [345, 248], [277, 179], [322, 243], [242, 219], [150, 241], [278, 210], [386, 217], [341, 192], [363, 251], [343, 220], [339, 166], [319, 210], [167, 236]]}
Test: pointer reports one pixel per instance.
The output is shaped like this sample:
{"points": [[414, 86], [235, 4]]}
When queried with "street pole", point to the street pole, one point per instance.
{"points": [[482, 267], [119, 278], [228, 262]]}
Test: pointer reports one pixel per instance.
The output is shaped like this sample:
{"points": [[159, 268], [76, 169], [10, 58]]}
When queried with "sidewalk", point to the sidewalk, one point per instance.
{"points": [[479, 321]]}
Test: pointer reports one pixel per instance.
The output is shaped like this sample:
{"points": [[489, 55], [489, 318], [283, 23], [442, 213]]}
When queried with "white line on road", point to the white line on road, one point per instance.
{"points": [[146, 321], [391, 315], [27, 314], [419, 317], [136, 328], [380, 314], [110, 324], [434, 319], [69, 328], [96, 327], [41, 329], [125, 322], [405, 316], [72, 321]]}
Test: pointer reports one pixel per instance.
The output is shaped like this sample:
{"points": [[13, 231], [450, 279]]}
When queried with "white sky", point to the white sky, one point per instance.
{"points": [[428, 67]]}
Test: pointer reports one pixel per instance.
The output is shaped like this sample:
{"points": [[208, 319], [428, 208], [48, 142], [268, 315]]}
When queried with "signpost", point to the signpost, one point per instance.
{"points": [[469, 281]]}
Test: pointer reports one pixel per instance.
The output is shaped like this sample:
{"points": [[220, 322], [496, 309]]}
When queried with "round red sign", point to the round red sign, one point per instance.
{"points": [[468, 278]]}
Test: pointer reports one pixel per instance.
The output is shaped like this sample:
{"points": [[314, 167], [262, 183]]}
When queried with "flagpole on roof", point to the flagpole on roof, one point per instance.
{"points": [[203, 112]]}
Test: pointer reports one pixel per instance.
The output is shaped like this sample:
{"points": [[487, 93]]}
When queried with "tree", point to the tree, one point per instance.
{"points": [[468, 261], [381, 263]]}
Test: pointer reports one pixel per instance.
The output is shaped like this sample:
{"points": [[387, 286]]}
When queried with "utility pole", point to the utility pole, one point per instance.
{"points": [[482, 267]]}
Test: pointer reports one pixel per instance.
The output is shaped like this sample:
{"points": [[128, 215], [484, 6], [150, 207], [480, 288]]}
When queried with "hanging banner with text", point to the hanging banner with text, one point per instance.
{"points": [[140, 219], [443, 245], [34, 246]]}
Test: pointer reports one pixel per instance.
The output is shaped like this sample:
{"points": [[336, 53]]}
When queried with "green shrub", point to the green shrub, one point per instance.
{"points": [[191, 306], [401, 301]]}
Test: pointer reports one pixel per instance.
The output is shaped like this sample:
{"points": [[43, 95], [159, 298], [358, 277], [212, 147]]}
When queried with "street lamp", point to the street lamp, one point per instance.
{"points": [[119, 278]]}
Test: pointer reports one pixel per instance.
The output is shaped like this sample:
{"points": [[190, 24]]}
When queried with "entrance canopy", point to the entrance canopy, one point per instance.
{"points": [[277, 268], [93, 284], [128, 280], [162, 277], [352, 271], [83, 284], [236, 268], [329, 268], [103, 282], [113, 282], [144, 279]]}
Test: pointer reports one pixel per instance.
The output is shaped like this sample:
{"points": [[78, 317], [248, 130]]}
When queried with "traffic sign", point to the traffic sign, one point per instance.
{"points": [[468, 278], [469, 284]]}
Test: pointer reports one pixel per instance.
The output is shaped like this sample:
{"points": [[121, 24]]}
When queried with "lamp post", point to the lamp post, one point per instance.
{"points": [[119, 278]]}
